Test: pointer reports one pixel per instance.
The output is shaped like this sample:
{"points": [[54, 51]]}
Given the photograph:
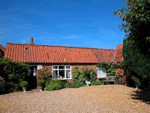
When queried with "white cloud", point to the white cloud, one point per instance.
{"points": [[23, 41], [70, 37]]}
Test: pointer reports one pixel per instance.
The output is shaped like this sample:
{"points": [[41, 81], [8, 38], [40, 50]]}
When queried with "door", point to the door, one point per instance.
{"points": [[32, 77]]}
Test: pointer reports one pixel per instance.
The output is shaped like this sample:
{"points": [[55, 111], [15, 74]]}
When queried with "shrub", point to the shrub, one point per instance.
{"points": [[46, 76], [76, 73], [55, 85], [76, 84], [111, 72], [103, 65], [52, 87], [41, 83], [82, 76], [119, 72], [98, 83], [136, 80], [92, 76], [24, 84], [13, 71], [66, 85]]}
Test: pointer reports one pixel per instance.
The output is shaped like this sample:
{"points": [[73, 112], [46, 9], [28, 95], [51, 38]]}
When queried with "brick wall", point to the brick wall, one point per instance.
{"points": [[49, 67], [88, 67]]}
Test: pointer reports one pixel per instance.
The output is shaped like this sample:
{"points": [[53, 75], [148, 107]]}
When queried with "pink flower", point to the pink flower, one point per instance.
{"points": [[119, 72]]}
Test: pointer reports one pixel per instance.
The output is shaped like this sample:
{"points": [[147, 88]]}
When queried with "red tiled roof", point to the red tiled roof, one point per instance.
{"points": [[2, 48], [119, 56], [59, 54], [49, 54], [103, 54], [119, 46]]}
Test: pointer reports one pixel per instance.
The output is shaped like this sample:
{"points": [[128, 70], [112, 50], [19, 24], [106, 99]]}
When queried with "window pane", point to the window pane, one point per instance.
{"points": [[103, 72], [55, 73], [99, 72], [67, 67], [61, 67], [68, 74], [62, 73], [55, 67]]}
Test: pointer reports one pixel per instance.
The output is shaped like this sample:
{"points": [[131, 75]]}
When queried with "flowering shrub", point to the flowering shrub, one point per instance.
{"points": [[119, 72], [46, 76], [124, 79]]}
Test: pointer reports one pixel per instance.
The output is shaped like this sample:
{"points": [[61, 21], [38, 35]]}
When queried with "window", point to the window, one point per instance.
{"points": [[64, 72], [101, 72]]}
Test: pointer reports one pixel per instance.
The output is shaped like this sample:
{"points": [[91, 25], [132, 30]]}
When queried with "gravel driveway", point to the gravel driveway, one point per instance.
{"points": [[92, 99]]}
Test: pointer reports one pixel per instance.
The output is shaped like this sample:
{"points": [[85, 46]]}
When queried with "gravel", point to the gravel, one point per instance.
{"points": [[92, 99]]}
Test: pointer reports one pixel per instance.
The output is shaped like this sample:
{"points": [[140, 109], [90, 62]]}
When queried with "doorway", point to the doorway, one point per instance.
{"points": [[32, 77]]}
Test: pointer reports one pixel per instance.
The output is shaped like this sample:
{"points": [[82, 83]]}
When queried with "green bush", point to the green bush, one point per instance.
{"points": [[76, 73], [76, 84], [66, 84], [111, 72], [55, 85], [92, 76], [82, 77], [98, 83], [41, 83], [13, 71], [24, 84], [52, 87]]}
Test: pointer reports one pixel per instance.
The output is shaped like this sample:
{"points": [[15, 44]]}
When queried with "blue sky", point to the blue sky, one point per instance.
{"points": [[77, 23]]}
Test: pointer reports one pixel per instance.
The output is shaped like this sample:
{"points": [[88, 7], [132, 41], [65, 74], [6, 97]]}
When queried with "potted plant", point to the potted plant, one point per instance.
{"points": [[24, 85], [41, 84]]}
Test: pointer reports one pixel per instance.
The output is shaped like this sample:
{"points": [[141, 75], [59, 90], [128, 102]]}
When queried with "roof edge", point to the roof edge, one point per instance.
{"points": [[2, 47], [58, 46]]}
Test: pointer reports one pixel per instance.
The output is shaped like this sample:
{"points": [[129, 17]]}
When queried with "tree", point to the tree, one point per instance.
{"points": [[137, 24], [136, 63], [136, 45]]}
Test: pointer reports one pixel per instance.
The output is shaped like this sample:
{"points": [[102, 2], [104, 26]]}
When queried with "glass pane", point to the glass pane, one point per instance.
{"points": [[55, 67], [34, 71], [98, 73], [103, 72], [61, 67], [62, 74], [67, 67], [68, 74], [55, 73]]}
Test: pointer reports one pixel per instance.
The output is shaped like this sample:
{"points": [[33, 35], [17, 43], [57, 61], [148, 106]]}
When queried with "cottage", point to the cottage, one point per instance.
{"points": [[60, 60]]}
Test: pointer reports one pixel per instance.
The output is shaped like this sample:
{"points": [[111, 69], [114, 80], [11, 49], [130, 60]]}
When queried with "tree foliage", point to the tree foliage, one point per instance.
{"points": [[136, 45], [136, 63], [14, 72], [137, 24]]}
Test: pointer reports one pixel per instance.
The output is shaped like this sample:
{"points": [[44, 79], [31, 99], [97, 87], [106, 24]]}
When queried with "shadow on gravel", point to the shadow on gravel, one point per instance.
{"points": [[143, 95]]}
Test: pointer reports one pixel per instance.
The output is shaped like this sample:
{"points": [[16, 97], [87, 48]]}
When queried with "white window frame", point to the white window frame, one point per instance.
{"points": [[101, 72], [64, 70]]}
